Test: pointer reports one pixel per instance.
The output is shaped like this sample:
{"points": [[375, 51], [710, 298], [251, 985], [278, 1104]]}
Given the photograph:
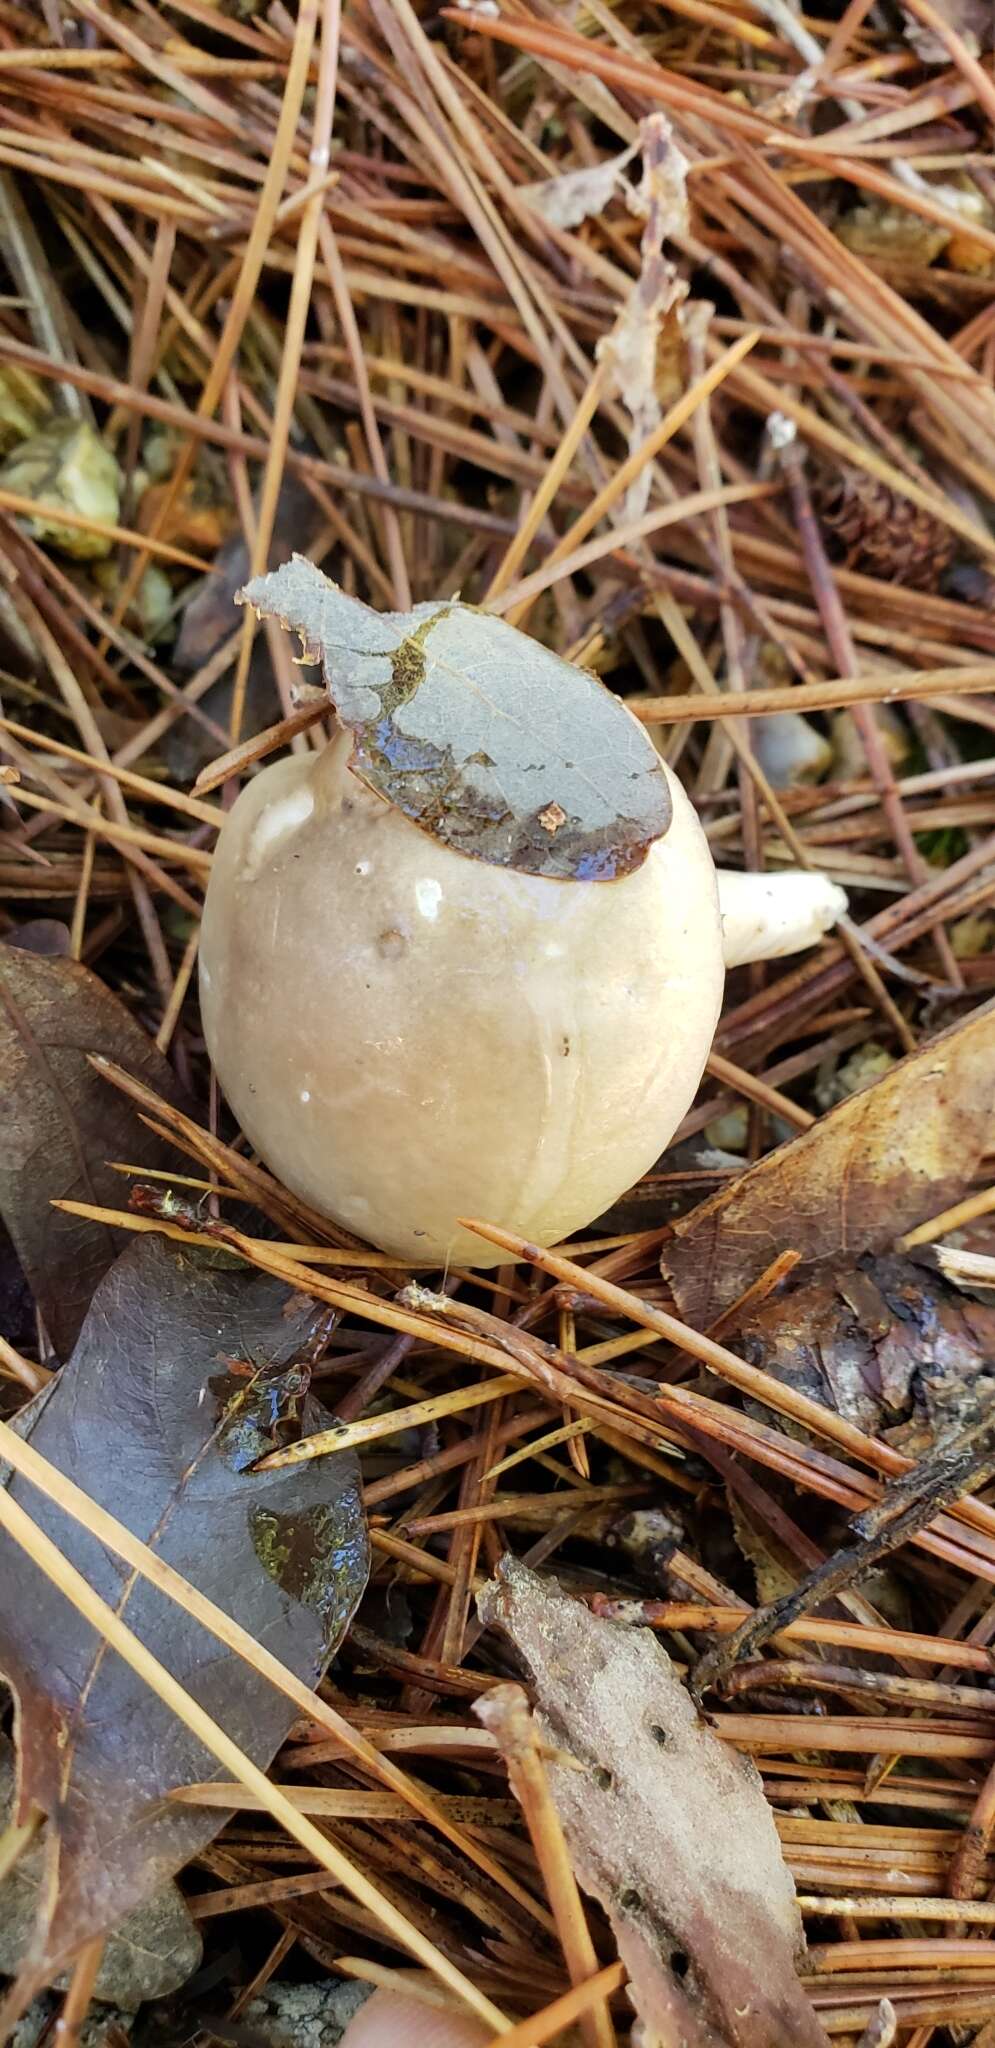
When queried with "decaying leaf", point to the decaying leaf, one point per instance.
{"points": [[881, 232], [761, 1550], [880, 1162], [631, 349], [475, 731], [883, 1343], [287, 2015], [578, 195], [164, 1402], [667, 1826], [67, 467], [154, 1950], [60, 1124], [46, 935]]}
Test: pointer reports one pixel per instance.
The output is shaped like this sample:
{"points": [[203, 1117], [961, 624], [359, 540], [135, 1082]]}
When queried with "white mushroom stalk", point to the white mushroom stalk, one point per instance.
{"points": [[392, 2019], [408, 1034], [766, 916]]}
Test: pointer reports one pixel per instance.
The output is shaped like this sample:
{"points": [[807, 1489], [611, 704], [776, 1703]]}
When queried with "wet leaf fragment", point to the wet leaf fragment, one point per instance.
{"points": [[477, 733], [132, 1418], [667, 1826], [887, 1158]]}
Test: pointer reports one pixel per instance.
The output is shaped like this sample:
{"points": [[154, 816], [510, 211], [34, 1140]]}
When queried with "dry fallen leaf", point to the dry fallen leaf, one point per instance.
{"points": [[163, 1404], [60, 1124], [885, 1159], [667, 1826], [475, 731], [632, 348], [578, 195]]}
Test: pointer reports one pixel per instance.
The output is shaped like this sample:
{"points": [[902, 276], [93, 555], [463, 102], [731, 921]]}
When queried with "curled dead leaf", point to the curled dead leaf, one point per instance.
{"points": [[581, 195], [883, 1343], [631, 351]]}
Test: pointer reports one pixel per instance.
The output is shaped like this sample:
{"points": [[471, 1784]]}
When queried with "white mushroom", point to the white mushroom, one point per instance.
{"points": [[408, 1035], [390, 2019]]}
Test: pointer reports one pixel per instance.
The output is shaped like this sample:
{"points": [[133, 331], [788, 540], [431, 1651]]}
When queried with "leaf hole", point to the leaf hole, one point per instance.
{"points": [[602, 1778], [630, 1900], [660, 1737], [680, 1963]]}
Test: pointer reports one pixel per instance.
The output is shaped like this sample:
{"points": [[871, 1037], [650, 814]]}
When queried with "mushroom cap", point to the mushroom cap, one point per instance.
{"points": [[408, 1036]]}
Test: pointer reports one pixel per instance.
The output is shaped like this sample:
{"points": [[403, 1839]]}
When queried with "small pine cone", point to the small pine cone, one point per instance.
{"points": [[881, 533]]}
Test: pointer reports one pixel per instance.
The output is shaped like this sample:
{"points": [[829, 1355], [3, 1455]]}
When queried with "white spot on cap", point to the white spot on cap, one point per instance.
{"points": [[275, 823], [428, 896], [363, 867], [305, 1094]]}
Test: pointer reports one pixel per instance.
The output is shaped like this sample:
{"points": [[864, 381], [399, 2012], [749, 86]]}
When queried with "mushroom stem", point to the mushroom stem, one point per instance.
{"points": [[389, 2019], [766, 916]]}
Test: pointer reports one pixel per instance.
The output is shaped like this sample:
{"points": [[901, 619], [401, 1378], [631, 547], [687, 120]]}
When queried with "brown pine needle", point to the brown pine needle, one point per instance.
{"points": [[504, 1711], [894, 688], [255, 749], [581, 1999]]}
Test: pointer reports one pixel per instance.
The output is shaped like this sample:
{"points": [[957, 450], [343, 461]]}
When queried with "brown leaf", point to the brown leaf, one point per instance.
{"points": [[154, 1419], [153, 1951], [473, 730], [60, 1124], [880, 1162], [883, 1343], [667, 1826]]}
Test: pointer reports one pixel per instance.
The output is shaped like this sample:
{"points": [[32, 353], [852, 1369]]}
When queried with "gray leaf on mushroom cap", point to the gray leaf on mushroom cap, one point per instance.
{"points": [[481, 736]]}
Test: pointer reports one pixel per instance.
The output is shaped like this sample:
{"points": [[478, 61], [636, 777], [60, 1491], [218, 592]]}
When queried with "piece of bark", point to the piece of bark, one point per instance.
{"points": [[667, 1826]]}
